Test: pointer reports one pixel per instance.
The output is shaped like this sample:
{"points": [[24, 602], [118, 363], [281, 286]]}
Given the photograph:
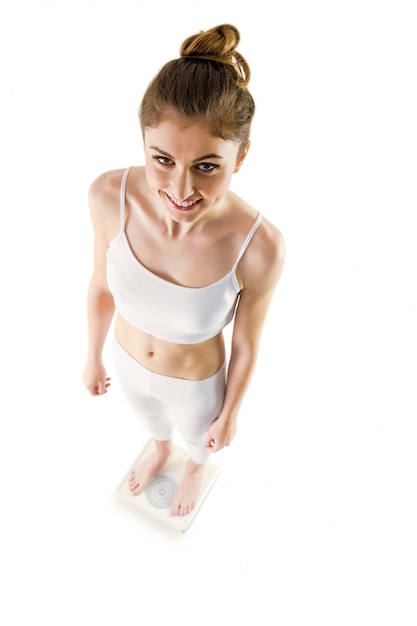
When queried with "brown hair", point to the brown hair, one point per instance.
{"points": [[208, 82]]}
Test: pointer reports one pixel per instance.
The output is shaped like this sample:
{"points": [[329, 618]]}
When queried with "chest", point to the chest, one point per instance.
{"points": [[197, 260]]}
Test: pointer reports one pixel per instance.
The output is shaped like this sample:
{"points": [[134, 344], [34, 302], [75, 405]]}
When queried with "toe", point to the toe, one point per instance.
{"points": [[133, 485], [183, 510]]}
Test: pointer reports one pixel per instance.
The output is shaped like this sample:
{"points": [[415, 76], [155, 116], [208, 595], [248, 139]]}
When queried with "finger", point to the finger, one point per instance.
{"points": [[100, 388]]}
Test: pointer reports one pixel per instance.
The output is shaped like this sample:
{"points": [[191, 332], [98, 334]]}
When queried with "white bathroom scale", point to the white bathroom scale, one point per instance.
{"points": [[157, 498]]}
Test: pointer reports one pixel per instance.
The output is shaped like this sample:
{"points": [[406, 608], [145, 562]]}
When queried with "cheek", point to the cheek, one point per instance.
{"points": [[218, 189], [211, 188], [156, 178], [223, 183]]}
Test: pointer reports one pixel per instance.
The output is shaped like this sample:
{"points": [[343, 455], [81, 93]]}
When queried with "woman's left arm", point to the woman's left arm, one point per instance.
{"points": [[260, 270]]}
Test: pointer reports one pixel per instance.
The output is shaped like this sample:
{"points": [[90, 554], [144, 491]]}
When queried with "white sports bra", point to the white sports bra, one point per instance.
{"points": [[181, 315]]}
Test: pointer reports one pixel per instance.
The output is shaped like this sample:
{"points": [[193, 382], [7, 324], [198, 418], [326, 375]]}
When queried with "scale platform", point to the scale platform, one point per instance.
{"points": [[156, 499]]}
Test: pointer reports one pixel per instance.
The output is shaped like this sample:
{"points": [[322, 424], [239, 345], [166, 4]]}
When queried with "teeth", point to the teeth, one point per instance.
{"points": [[183, 204]]}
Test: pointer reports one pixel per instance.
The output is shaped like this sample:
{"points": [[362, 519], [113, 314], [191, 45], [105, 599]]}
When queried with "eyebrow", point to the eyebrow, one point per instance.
{"points": [[212, 155]]}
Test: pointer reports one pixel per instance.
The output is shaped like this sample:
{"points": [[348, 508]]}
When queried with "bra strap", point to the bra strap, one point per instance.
{"points": [[248, 239], [122, 198]]}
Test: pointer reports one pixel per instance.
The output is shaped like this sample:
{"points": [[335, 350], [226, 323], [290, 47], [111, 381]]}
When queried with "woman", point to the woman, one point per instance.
{"points": [[179, 256]]}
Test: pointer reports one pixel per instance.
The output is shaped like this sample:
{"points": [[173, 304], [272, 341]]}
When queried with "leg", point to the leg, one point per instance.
{"points": [[188, 492], [136, 382], [150, 467], [194, 405]]}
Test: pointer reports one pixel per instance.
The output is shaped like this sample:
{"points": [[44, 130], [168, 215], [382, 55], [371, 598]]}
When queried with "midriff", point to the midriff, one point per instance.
{"points": [[192, 362]]}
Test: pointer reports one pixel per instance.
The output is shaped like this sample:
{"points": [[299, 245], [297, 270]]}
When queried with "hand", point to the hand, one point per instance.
{"points": [[220, 434], [96, 380]]}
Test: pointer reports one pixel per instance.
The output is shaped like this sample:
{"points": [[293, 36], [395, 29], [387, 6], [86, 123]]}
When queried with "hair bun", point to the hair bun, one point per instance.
{"points": [[218, 44], [220, 41]]}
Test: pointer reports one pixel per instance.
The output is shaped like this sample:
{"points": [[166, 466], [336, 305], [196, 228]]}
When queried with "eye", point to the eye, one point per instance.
{"points": [[163, 160], [207, 167]]}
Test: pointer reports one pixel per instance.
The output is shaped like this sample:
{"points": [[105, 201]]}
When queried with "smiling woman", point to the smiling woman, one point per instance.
{"points": [[181, 171], [179, 256]]}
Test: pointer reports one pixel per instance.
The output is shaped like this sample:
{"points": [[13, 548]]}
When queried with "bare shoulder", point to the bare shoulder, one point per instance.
{"points": [[104, 201], [271, 242], [104, 190], [263, 262]]}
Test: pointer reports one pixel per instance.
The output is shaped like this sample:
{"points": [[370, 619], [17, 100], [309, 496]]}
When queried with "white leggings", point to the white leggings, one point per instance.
{"points": [[162, 402]]}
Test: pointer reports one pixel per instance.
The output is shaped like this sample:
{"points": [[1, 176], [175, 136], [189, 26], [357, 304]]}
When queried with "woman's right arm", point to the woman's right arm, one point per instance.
{"points": [[100, 304]]}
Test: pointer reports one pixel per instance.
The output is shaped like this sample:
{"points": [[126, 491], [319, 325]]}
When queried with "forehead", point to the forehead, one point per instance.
{"points": [[179, 136]]}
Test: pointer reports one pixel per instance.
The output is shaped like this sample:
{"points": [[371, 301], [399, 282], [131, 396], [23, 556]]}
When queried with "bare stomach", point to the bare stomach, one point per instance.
{"points": [[192, 362]]}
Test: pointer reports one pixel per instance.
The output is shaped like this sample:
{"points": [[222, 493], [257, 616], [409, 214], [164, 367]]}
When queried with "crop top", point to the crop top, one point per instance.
{"points": [[174, 313]]}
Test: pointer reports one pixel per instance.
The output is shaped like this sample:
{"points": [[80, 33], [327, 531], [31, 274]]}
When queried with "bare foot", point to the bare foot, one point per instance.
{"points": [[187, 494], [146, 471]]}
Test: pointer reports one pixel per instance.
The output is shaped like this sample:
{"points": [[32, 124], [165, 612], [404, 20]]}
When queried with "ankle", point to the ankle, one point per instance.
{"points": [[163, 448], [194, 468]]}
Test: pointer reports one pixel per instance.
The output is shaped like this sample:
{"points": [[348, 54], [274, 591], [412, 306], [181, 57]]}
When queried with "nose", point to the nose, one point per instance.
{"points": [[182, 185]]}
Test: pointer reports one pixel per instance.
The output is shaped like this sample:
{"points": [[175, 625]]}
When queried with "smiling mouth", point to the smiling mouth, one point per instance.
{"points": [[183, 206]]}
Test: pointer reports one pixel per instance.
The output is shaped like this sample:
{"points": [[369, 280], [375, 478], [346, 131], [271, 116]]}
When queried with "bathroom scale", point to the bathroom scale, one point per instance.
{"points": [[156, 500]]}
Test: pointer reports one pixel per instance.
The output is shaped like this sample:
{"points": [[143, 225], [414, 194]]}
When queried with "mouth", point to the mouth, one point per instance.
{"points": [[183, 206]]}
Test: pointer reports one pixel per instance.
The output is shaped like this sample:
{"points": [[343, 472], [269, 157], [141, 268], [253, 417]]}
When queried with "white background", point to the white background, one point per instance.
{"points": [[313, 519]]}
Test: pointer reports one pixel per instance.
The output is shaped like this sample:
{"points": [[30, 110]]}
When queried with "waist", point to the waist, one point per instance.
{"points": [[188, 361]]}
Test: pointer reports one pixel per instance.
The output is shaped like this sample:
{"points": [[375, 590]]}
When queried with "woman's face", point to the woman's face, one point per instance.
{"points": [[189, 169]]}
